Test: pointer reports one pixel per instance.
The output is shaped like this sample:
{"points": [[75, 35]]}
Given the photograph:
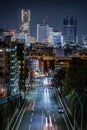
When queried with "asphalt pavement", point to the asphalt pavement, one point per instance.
{"points": [[41, 111]]}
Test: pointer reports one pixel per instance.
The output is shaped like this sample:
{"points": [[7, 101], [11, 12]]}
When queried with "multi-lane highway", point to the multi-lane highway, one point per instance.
{"points": [[41, 112]]}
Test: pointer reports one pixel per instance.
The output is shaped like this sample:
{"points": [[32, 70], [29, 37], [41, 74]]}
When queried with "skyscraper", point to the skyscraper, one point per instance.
{"points": [[50, 35], [84, 41], [25, 21], [42, 33], [57, 38], [69, 29], [25, 26]]}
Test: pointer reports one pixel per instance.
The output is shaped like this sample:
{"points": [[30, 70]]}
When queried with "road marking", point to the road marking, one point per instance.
{"points": [[29, 127], [32, 109], [32, 114], [54, 120], [31, 120]]}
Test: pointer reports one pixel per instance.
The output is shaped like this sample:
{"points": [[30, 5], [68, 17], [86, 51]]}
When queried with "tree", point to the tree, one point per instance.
{"points": [[76, 75], [59, 76]]}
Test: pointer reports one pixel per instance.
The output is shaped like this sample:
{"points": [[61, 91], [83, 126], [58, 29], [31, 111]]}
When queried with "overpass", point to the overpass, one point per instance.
{"points": [[57, 58], [62, 61], [60, 58]]}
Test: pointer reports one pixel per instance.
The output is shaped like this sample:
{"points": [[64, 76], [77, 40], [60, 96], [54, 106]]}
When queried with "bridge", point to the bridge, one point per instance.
{"points": [[57, 58], [51, 57]]}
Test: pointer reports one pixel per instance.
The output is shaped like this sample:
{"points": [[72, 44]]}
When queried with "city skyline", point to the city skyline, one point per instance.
{"points": [[52, 12]]}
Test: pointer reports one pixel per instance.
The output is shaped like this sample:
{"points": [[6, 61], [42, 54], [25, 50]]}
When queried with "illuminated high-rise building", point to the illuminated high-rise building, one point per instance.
{"points": [[84, 41], [42, 33], [57, 38], [50, 35], [70, 29], [25, 26], [25, 21]]}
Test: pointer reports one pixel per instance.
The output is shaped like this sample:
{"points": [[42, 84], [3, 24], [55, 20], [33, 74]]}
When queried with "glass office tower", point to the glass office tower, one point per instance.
{"points": [[42, 32], [70, 29]]}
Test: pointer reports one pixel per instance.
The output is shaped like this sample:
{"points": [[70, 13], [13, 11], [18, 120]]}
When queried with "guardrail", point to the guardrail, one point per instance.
{"points": [[19, 116], [61, 102]]}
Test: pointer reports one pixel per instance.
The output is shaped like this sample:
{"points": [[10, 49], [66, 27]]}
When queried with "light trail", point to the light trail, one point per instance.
{"points": [[46, 122], [46, 96], [50, 121]]}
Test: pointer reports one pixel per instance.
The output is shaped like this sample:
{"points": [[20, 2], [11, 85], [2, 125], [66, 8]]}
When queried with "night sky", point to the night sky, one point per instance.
{"points": [[53, 10]]}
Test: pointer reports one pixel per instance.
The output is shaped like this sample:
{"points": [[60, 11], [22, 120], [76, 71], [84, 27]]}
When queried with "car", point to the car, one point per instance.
{"points": [[61, 109]]}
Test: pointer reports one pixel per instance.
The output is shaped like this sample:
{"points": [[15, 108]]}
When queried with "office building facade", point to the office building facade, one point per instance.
{"points": [[57, 38], [42, 33], [21, 64], [70, 29], [8, 67], [84, 41]]}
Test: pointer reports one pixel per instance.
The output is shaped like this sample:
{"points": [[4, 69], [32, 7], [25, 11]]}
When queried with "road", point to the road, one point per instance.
{"points": [[41, 112]]}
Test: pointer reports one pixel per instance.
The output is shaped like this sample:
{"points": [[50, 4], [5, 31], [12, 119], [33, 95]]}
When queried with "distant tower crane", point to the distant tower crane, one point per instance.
{"points": [[45, 19]]}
